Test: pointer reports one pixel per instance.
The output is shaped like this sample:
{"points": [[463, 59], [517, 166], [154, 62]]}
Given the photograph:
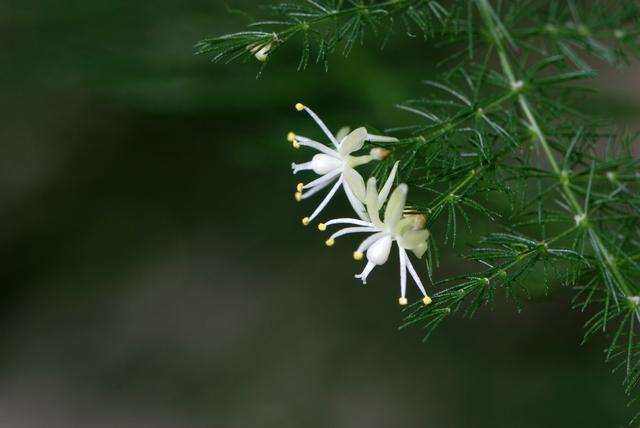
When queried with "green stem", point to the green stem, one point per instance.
{"points": [[471, 176], [487, 15], [338, 13]]}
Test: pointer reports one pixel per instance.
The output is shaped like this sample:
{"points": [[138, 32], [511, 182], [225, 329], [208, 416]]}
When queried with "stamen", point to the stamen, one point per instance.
{"points": [[358, 255], [326, 200], [403, 301], [303, 141], [350, 230], [320, 123], [329, 242], [321, 180], [348, 221], [415, 276], [306, 221], [403, 272], [365, 273], [322, 227], [317, 188]]}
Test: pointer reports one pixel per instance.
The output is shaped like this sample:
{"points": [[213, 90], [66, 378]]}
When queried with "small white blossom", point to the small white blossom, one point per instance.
{"points": [[406, 231], [260, 51], [335, 165]]}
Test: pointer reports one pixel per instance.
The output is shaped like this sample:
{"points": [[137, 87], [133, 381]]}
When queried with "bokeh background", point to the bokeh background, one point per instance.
{"points": [[154, 272]]}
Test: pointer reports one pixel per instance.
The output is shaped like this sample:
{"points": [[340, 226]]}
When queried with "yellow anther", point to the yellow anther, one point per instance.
{"points": [[299, 187], [298, 197], [358, 255], [427, 300], [322, 227], [291, 137], [306, 221], [403, 301], [330, 242], [299, 106], [295, 145]]}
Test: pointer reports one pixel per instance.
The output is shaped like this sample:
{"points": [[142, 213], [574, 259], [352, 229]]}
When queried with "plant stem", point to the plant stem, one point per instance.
{"points": [[488, 16]]}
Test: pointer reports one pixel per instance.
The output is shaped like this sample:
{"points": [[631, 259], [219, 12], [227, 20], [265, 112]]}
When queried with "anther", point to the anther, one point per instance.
{"points": [[329, 242], [358, 255], [291, 137], [322, 227], [295, 145], [403, 301], [306, 221], [299, 187], [299, 106], [427, 300], [298, 196]]}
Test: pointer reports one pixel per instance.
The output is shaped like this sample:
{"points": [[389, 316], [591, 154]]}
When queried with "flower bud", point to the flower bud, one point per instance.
{"points": [[378, 153], [260, 51]]}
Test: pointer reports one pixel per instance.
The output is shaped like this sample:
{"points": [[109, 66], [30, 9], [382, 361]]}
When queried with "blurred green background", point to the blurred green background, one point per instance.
{"points": [[154, 270]]}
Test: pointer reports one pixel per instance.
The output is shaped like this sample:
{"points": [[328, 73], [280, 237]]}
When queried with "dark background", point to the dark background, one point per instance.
{"points": [[154, 272]]}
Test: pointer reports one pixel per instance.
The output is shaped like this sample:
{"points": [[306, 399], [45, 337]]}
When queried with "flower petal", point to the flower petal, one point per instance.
{"points": [[381, 139], [353, 142], [355, 182], [416, 241], [387, 185], [420, 249], [371, 200], [356, 204], [342, 132], [395, 206]]}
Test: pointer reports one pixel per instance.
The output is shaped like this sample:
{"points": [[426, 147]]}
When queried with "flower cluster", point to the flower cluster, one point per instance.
{"points": [[336, 167]]}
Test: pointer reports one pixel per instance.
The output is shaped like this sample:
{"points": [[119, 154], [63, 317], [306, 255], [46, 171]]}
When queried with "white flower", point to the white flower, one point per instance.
{"points": [[335, 164], [406, 231], [260, 51]]}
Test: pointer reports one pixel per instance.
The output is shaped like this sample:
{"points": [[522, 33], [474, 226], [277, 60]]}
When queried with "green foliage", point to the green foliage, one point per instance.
{"points": [[506, 121], [329, 26]]}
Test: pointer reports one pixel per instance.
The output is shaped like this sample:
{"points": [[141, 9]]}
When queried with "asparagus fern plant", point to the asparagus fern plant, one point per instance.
{"points": [[504, 119]]}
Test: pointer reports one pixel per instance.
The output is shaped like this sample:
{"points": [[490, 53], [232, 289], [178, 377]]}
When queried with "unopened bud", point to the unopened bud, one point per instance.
{"points": [[418, 220], [262, 54], [378, 153], [260, 51]]}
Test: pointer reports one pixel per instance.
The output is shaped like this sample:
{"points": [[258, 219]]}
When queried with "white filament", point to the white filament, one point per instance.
{"points": [[322, 126]]}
